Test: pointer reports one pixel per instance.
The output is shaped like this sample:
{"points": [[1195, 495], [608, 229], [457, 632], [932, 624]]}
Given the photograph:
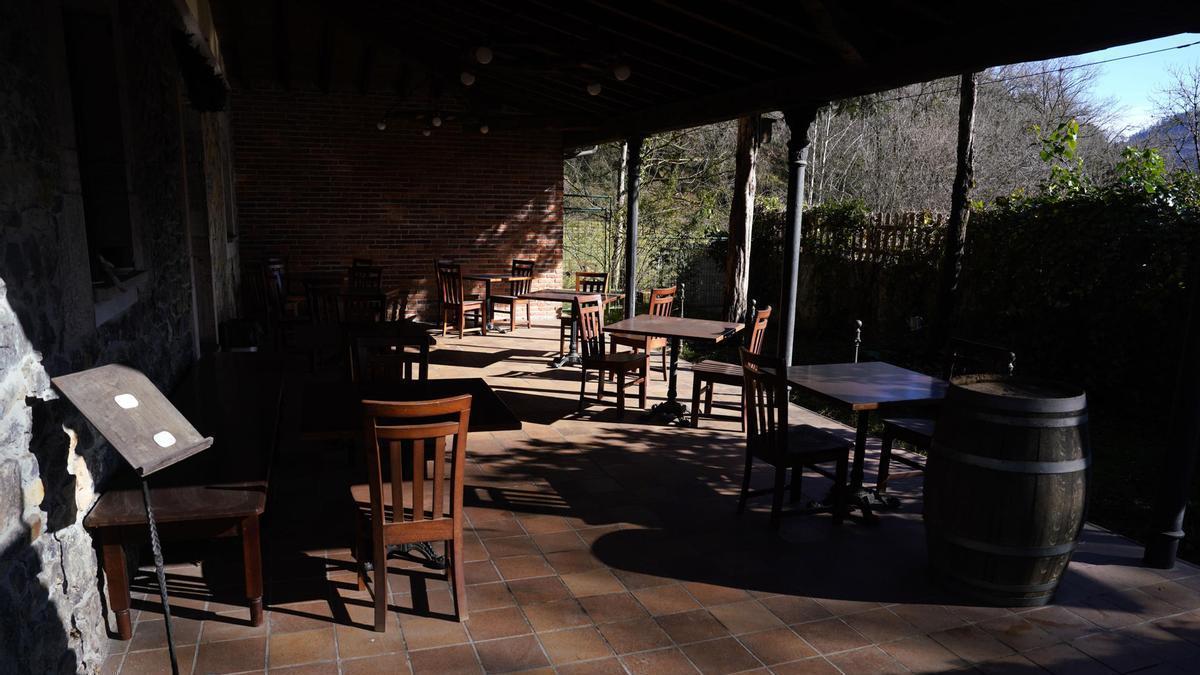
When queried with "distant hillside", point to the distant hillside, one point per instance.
{"points": [[1171, 140]]}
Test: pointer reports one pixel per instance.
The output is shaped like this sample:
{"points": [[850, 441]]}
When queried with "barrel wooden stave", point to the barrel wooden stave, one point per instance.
{"points": [[1003, 532]]}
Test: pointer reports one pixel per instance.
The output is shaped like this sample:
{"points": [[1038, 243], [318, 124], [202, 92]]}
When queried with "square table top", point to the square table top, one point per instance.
{"points": [[566, 295], [330, 409], [699, 330], [867, 385]]}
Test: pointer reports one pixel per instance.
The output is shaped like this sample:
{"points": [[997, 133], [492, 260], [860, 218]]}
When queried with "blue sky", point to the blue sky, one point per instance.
{"points": [[1132, 83]]}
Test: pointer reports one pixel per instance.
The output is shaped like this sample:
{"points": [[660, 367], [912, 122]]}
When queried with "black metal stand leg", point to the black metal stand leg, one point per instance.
{"points": [[156, 549], [571, 358], [671, 410]]}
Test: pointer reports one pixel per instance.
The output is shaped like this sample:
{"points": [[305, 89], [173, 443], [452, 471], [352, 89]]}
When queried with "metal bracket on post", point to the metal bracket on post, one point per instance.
{"points": [[857, 337], [156, 549]]}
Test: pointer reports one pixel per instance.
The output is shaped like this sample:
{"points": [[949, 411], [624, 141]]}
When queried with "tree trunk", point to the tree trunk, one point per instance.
{"points": [[741, 221], [960, 212]]}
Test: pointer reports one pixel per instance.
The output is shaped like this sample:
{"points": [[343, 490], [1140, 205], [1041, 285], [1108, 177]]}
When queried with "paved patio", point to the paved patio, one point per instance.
{"points": [[598, 544]]}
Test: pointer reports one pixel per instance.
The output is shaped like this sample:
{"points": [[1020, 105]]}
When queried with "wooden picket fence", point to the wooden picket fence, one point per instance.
{"points": [[886, 238]]}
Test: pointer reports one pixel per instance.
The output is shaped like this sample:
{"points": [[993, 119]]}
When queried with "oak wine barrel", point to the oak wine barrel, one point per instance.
{"points": [[1006, 487]]}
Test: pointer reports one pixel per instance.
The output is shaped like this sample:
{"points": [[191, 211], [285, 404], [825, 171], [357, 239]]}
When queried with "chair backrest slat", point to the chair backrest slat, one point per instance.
{"points": [[591, 282], [766, 393], [450, 282], [401, 427], [522, 268], [758, 330], [661, 301], [375, 358], [968, 357], [362, 276], [588, 311]]}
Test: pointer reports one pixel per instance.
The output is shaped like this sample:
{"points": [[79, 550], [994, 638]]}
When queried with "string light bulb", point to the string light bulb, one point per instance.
{"points": [[483, 55], [622, 71], [381, 125], [594, 88], [483, 129], [467, 78], [436, 121], [426, 132]]}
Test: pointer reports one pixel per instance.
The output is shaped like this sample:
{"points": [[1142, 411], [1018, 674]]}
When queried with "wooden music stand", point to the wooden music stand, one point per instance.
{"points": [[142, 425]]}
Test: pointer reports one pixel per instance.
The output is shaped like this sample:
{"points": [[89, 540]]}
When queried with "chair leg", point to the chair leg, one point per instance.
{"points": [[458, 580], [666, 376], [794, 493], [839, 494], [742, 408], [745, 483], [482, 314], [621, 393], [582, 388], [696, 385], [562, 333], [777, 496], [600, 384], [512, 318], [381, 585], [708, 398], [643, 383], [462, 323], [885, 460], [445, 322], [528, 317]]}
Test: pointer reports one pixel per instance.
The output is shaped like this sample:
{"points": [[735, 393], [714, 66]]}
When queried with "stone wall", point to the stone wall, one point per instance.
{"points": [[320, 185], [52, 463]]}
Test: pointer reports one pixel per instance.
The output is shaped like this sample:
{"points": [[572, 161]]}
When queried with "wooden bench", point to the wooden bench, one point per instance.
{"points": [[222, 492]]}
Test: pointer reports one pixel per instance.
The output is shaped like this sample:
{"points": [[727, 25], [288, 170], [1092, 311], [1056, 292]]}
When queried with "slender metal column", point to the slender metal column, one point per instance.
{"points": [[632, 187], [1179, 459], [156, 550], [799, 120]]}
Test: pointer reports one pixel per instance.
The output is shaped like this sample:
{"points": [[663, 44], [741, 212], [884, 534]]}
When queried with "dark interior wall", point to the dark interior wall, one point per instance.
{"points": [[319, 184], [51, 462]]}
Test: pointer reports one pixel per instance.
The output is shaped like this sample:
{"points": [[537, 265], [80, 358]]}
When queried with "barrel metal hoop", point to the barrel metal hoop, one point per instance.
{"points": [[1015, 551], [1067, 404], [1028, 422], [1000, 588], [1011, 466]]}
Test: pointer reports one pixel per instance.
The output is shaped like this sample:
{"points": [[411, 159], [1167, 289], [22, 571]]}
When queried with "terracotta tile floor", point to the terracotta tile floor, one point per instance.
{"points": [[599, 544]]}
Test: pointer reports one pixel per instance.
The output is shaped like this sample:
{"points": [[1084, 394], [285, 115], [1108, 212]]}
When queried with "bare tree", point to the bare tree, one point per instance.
{"points": [[1178, 105]]}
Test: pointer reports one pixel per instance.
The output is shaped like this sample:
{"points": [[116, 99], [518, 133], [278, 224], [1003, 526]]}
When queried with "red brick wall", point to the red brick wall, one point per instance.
{"points": [[320, 185]]}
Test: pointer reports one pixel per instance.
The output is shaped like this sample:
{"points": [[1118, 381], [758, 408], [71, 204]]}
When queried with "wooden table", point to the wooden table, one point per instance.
{"points": [[221, 492], [566, 295], [864, 387], [488, 280], [331, 408], [675, 329]]}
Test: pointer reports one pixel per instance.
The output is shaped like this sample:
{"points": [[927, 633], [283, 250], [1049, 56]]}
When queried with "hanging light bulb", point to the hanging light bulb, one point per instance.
{"points": [[436, 121], [622, 71], [483, 55], [483, 129], [594, 88], [381, 125], [467, 78], [426, 132]]}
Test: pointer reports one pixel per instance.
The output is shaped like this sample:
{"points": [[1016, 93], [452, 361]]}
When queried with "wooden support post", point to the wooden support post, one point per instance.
{"points": [[741, 219], [633, 186], [960, 212], [1179, 459], [799, 120]]}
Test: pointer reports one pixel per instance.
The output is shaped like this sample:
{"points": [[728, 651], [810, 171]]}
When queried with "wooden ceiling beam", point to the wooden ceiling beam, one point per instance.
{"points": [[827, 27], [325, 53], [683, 37], [726, 28], [283, 52]]}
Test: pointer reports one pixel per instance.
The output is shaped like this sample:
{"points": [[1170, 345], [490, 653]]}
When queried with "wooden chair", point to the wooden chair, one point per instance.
{"points": [[375, 358], [962, 357], [588, 310], [365, 276], [661, 302], [523, 271], [395, 306], [392, 510], [585, 282], [454, 303], [770, 439], [324, 304], [708, 373]]}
